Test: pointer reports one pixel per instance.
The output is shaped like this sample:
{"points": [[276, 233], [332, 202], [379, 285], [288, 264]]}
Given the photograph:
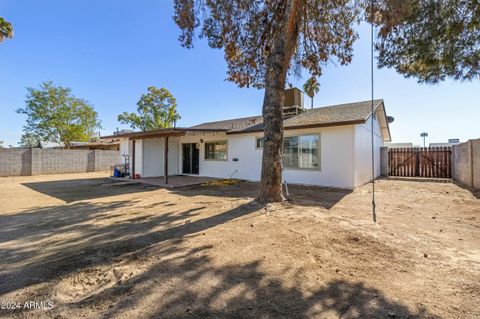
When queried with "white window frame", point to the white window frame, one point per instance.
{"points": [[256, 139], [215, 159], [319, 152]]}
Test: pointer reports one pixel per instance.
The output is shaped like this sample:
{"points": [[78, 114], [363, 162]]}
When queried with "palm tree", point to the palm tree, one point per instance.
{"points": [[6, 30], [311, 87]]}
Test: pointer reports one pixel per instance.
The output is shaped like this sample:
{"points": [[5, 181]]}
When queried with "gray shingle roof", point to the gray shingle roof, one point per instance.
{"points": [[233, 124], [342, 114], [348, 113]]}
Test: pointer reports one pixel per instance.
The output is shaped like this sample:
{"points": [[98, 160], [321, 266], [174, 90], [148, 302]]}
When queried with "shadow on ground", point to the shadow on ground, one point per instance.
{"points": [[189, 286], [89, 245], [173, 281], [245, 291], [475, 191], [324, 197], [85, 189]]}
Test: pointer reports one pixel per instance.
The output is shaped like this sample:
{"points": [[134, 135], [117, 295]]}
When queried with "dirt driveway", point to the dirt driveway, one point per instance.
{"points": [[101, 251]]}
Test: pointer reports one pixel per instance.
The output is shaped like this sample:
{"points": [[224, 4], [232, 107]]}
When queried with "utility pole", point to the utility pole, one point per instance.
{"points": [[424, 135]]}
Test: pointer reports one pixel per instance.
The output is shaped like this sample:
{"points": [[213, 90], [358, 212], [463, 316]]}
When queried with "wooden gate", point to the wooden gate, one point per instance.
{"points": [[420, 162]]}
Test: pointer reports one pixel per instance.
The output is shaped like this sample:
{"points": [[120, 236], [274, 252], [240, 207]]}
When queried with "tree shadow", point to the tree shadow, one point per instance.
{"points": [[175, 280], [84, 189], [191, 285], [303, 195], [75, 243]]}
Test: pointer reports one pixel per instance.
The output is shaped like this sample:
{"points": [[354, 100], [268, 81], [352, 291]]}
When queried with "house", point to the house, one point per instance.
{"points": [[326, 146]]}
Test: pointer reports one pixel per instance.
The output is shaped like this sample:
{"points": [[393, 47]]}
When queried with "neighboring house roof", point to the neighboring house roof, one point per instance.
{"points": [[399, 145], [441, 144], [102, 144], [334, 115]]}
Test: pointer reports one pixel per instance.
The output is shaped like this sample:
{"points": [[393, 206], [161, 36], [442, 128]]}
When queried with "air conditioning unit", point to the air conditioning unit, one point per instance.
{"points": [[293, 102]]}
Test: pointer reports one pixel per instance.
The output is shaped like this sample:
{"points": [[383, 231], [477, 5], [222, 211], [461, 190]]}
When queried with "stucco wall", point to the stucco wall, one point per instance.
{"points": [[345, 156], [336, 153], [149, 160], [466, 163], [476, 162], [363, 151], [139, 157]]}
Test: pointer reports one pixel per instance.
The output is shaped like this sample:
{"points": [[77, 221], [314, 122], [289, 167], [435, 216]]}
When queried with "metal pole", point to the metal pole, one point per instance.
{"points": [[374, 214]]}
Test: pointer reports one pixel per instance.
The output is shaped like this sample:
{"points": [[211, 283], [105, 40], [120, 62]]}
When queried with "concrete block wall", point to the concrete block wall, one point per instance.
{"points": [[466, 163], [15, 162], [18, 162], [384, 161]]}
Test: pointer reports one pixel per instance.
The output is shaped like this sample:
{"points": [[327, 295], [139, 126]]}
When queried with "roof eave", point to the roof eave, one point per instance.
{"points": [[306, 126], [161, 133], [382, 104]]}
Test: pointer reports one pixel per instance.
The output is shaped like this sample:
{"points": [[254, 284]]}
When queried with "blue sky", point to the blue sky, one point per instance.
{"points": [[109, 52]]}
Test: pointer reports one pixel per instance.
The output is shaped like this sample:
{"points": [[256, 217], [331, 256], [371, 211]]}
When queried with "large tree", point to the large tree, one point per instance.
{"points": [[55, 115], [266, 41], [155, 110], [6, 29]]}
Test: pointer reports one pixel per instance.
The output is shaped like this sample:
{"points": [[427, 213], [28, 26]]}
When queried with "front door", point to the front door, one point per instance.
{"points": [[190, 158]]}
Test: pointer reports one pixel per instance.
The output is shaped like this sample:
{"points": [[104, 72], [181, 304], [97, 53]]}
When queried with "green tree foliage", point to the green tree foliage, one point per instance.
{"points": [[29, 139], [6, 30], [55, 115], [429, 40], [264, 42], [311, 87], [155, 110]]}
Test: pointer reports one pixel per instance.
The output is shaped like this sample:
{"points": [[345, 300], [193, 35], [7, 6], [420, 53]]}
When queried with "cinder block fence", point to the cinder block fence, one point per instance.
{"points": [[33, 161], [466, 163]]}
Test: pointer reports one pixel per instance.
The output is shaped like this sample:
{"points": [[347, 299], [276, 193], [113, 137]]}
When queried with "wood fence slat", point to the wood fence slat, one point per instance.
{"points": [[420, 162]]}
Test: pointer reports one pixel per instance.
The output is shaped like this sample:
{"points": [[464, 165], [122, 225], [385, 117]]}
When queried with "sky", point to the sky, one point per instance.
{"points": [[108, 52]]}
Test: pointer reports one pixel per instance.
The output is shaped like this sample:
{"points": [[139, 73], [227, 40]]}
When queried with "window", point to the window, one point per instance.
{"points": [[259, 142], [301, 151], [216, 150]]}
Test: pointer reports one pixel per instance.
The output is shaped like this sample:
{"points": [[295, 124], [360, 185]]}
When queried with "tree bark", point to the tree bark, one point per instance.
{"points": [[277, 65]]}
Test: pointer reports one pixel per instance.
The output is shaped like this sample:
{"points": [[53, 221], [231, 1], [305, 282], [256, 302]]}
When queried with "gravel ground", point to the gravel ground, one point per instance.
{"points": [[93, 249]]}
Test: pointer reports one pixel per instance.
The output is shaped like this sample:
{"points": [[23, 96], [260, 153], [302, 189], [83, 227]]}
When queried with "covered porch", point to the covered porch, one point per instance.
{"points": [[160, 158]]}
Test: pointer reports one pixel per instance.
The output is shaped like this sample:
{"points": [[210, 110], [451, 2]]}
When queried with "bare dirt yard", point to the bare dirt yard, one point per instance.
{"points": [[100, 251]]}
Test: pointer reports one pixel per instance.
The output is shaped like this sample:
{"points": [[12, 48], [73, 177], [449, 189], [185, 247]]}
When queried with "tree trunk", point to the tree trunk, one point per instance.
{"points": [[277, 65]]}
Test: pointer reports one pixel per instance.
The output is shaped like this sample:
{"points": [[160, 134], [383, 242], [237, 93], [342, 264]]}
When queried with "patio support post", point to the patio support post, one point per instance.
{"points": [[165, 161], [133, 160]]}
